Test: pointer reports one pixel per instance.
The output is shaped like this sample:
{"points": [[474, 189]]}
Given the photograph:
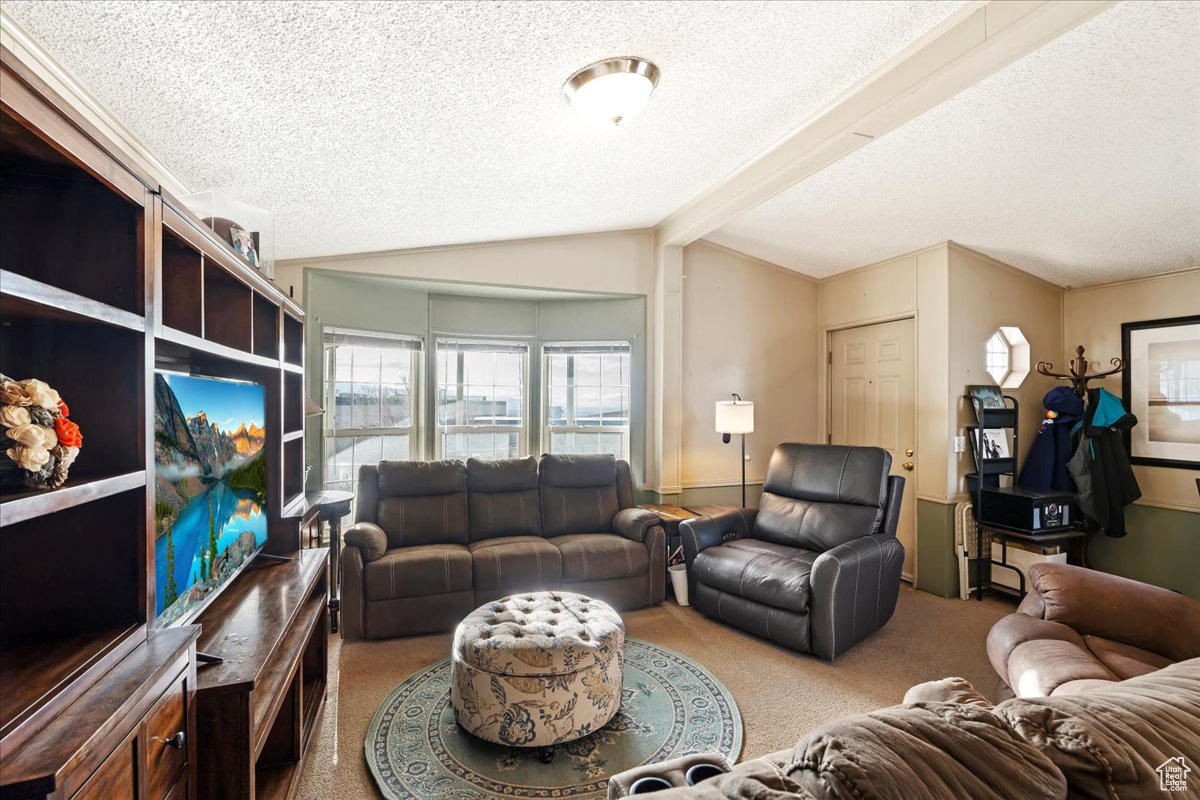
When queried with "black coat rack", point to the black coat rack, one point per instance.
{"points": [[1079, 377]]}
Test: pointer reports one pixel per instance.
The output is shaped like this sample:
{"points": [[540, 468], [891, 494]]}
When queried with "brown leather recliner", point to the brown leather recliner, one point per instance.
{"points": [[816, 567], [434, 540], [1079, 629]]}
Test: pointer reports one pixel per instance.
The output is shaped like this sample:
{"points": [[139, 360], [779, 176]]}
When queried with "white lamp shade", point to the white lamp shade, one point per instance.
{"points": [[735, 416]]}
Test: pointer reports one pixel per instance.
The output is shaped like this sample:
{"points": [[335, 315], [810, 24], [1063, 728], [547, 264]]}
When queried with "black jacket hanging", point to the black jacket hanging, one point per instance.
{"points": [[1100, 465]]}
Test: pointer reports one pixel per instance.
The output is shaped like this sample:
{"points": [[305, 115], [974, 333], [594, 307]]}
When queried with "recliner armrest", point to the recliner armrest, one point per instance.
{"points": [[369, 538], [704, 532], [633, 523], [853, 590]]}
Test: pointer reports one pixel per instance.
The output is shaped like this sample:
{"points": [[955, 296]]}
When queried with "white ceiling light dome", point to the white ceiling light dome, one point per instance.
{"points": [[612, 90]]}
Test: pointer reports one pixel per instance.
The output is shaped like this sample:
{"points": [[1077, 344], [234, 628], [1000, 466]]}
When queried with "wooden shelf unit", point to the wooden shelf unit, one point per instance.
{"points": [[103, 279], [261, 705]]}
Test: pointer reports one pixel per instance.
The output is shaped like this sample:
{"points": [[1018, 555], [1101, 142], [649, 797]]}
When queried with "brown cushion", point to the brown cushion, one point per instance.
{"points": [[1122, 610], [431, 519], [778, 580], [502, 498], [1110, 741], [515, 563], [578, 494], [1037, 667], [418, 571], [600, 556], [1125, 660], [934, 751]]}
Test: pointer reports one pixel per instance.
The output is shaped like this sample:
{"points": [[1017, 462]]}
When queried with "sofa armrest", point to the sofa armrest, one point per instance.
{"points": [[1123, 610], [353, 595], [700, 533], [368, 538], [853, 590], [634, 523]]}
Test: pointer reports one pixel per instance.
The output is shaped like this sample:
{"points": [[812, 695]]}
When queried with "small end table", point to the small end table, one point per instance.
{"points": [[334, 505]]}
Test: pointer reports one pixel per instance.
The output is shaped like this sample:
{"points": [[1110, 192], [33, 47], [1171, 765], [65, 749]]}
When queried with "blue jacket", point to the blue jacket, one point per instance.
{"points": [[1045, 467]]}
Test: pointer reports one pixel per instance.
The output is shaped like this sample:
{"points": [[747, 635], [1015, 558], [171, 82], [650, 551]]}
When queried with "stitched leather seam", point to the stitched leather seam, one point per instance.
{"points": [[842, 475]]}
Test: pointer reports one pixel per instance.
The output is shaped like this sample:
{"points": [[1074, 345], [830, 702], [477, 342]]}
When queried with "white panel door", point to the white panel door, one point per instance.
{"points": [[873, 402]]}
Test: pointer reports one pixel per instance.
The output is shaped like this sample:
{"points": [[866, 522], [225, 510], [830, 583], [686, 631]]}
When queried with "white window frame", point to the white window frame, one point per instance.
{"points": [[462, 343], [548, 429], [331, 337]]}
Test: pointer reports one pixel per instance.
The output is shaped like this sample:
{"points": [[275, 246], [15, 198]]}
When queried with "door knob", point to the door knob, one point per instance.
{"points": [[908, 452], [907, 465], [177, 741]]}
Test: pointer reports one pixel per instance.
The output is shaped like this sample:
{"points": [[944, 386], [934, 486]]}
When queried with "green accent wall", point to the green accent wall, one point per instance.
{"points": [[1162, 548], [937, 564]]}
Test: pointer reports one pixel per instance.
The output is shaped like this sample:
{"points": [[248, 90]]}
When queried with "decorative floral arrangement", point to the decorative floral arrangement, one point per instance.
{"points": [[39, 442]]}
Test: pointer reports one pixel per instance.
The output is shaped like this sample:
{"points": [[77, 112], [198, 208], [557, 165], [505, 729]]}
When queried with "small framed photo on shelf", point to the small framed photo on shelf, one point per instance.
{"points": [[245, 244], [987, 396], [1161, 385]]}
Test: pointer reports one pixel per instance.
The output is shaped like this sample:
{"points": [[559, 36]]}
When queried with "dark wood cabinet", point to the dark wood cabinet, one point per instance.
{"points": [[104, 278]]}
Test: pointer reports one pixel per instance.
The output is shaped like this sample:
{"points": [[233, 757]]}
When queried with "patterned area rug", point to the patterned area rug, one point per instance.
{"points": [[671, 706]]}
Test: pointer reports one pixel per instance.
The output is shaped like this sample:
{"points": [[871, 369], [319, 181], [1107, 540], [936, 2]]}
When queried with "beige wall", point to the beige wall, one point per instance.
{"points": [[913, 285], [1092, 318], [748, 327], [985, 294], [617, 263]]}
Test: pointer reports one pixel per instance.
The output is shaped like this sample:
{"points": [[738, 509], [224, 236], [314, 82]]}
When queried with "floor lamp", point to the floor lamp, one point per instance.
{"points": [[736, 416]]}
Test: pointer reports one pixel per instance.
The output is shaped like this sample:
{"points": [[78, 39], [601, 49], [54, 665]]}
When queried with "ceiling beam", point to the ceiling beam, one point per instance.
{"points": [[973, 43]]}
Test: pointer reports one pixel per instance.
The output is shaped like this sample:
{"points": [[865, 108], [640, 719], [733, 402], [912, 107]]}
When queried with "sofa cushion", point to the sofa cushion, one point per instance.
{"points": [[421, 478], [776, 579], [600, 556], [1110, 741], [578, 493], [1125, 660], [418, 571], [515, 563], [820, 496], [930, 750], [1040, 666], [418, 502], [502, 498]]}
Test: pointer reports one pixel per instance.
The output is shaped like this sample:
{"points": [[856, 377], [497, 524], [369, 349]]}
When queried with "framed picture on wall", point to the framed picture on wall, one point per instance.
{"points": [[1161, 385]]}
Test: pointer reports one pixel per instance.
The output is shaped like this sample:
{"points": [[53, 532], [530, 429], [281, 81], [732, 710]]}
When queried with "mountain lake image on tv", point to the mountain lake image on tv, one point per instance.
{"points": [[209, 488]]}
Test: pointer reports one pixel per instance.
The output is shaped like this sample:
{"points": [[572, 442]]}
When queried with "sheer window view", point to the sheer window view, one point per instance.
{"points": [[587, 398], [370, 381], [481, 399]]}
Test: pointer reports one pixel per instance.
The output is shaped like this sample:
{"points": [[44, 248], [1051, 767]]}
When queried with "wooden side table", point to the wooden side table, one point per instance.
{"points": [[334, 505]]}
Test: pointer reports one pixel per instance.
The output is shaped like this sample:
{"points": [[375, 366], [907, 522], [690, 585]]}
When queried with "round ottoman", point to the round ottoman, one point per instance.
{"points": [[537, 669]]}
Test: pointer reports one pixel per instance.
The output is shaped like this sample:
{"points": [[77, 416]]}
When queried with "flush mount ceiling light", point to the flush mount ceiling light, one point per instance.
{"points": [[612, 90]]}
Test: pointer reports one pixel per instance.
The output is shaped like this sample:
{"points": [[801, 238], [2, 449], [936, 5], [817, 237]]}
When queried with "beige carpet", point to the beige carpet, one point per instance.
{"points": [[781, 694]]}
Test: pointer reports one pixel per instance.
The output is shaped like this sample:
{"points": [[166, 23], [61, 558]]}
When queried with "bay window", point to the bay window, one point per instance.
{"points": [[480, 403], [586, 406], [369, 394]]}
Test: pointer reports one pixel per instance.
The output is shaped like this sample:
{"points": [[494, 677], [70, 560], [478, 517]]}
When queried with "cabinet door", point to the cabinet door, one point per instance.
{"points": [[117, 777], [165, 733]]}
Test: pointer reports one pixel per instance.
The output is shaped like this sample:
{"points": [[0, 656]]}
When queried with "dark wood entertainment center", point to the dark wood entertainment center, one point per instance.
{"points": [[103, 278]]}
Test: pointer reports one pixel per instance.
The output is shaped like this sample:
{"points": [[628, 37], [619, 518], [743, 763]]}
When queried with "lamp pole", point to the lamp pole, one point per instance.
{"points": [[743, 470]]}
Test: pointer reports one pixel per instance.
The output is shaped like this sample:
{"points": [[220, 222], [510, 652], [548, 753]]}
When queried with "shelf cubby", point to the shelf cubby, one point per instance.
{"points": [[100, 372], [293, 470], [293, 341], [227, 309], [63, 227], [83, 608], [182, 285], [293, 402], [266, 327]]}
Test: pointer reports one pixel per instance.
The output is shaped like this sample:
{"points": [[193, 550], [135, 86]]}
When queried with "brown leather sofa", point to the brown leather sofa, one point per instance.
{"points": [[816, 567], [433, 540], [947, 742], [1078, 629]]}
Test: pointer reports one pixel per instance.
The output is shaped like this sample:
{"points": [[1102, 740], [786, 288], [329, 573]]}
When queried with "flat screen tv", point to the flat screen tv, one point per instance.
{"points": [[210, 497]]}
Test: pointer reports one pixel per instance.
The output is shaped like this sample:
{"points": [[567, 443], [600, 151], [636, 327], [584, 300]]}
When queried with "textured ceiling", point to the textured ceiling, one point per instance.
{"points": [[370, 126], [1079, 163]]}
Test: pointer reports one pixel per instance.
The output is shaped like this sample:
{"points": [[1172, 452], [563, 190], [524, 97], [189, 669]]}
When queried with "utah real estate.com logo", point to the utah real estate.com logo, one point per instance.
{"points": [[1172, 775]]}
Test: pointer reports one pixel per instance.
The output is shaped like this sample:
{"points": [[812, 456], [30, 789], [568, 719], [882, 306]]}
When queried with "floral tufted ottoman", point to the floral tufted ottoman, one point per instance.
{"points": [[537, 669]]}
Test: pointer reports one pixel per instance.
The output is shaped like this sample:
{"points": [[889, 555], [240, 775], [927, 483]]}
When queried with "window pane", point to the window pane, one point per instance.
{"points": [[556, 371], [395, 448], [587, 405], [366, 406], [343, 401], [611, 372], [396, 407], [508, 369], [556, 414], [396, 366], [587, 370], [365, 363]]}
